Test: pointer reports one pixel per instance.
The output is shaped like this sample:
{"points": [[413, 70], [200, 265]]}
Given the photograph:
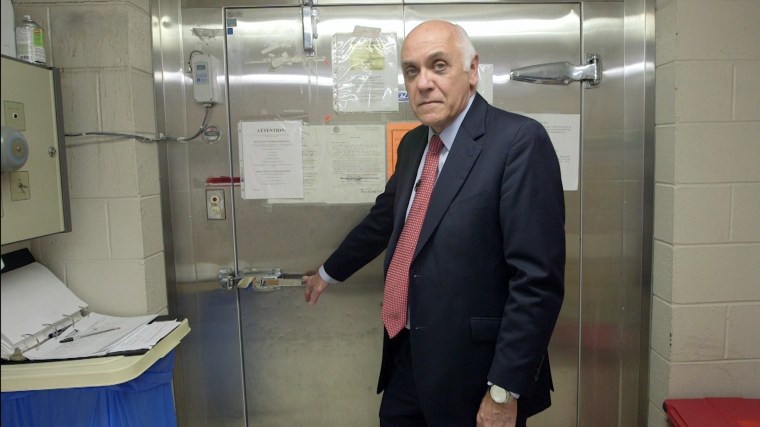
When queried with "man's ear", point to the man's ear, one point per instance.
{"points": [[474, 64]]}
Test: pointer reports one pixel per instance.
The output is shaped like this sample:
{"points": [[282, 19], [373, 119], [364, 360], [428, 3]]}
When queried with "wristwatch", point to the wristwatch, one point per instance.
{"points": [[499, 395]]}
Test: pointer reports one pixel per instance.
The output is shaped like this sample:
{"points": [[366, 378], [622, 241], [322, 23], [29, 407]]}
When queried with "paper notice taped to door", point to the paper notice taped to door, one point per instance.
{"points": [[342, 164], [271, 164], [565, 133], [365, 72]]}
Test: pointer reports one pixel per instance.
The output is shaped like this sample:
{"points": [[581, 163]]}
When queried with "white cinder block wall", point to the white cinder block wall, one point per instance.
{"points": [[114, 257], [706, 302], [705, 339]]}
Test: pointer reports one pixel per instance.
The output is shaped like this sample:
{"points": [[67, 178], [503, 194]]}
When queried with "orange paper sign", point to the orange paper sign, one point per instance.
{"points": [[395, 131]]}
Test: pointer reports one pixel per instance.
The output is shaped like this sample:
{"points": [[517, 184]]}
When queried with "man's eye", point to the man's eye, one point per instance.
{"points": [[410, 72], [440, 66]]}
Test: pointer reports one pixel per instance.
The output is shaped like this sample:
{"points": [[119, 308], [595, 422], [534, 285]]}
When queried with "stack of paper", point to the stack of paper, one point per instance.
{"points": [[43, 320], [100, 335]]}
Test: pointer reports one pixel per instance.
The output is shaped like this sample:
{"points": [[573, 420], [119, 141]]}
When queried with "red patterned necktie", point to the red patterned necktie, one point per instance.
{"points": [[396, 292]]}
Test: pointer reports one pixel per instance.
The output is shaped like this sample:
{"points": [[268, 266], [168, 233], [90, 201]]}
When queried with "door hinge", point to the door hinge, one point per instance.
{"points": [[562, 73]]}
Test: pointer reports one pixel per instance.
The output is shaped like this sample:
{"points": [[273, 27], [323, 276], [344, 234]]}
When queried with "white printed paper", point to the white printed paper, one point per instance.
{"points": [[365, 71], [33, 297], [565, 133], [271, 164], [356, 156], [342, 164], [86, 342]]}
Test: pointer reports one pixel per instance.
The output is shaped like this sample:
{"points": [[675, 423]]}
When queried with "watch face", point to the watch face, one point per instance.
{"points": [[498, 394]]}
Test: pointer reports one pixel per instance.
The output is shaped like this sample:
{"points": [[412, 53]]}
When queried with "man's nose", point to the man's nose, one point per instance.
{"points": [[425, 80]]}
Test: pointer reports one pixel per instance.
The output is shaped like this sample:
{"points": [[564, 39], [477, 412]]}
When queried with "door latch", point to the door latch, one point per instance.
{"points": [[263, 280], [562, 73]]}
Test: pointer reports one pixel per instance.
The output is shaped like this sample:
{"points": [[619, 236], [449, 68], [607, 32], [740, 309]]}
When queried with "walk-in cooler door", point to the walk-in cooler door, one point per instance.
{"points": [[249, 216], [318, 366]]}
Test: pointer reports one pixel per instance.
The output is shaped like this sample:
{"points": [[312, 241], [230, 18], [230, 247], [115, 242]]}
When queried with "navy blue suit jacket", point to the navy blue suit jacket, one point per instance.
{"points": [[486, 281]]}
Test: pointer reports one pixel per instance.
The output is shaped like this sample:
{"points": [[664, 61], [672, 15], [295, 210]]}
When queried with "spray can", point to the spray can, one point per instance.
{"points": [[30, 41]]}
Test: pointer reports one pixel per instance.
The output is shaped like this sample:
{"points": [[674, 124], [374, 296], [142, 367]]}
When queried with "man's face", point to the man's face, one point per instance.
{"points": [[436, 81]]}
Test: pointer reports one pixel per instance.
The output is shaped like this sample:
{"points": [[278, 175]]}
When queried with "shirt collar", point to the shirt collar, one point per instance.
{"points": [[447, 135]]}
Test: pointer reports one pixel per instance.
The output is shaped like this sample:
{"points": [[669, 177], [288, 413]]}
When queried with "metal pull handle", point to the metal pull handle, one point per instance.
{"points": [[309, 18], [264, 280], [561, 73]]}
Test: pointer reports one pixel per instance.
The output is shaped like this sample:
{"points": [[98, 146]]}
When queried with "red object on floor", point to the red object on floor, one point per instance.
{"points": [[713, 412]]}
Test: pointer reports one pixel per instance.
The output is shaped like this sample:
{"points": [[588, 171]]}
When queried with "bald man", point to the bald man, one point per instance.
{"points": [[483, 279]]}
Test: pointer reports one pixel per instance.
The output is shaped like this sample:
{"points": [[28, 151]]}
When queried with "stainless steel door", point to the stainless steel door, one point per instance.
{"points": [[318, 366], [268, 359]]}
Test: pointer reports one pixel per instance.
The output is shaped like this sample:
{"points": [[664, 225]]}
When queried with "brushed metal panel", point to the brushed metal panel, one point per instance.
{"points": [[304, 365], [603, 321], [279, 3], [639, 97], [208, 371], [190, 4], [612, 182], [213, 371], [507, 36]]}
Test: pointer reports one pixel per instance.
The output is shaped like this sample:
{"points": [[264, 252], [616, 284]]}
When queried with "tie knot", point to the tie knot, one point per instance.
{"points": [[435, 144]]}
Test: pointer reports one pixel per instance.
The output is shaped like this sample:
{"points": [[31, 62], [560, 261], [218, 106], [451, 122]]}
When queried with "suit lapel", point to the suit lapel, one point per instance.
{"points": [[463, 155]]}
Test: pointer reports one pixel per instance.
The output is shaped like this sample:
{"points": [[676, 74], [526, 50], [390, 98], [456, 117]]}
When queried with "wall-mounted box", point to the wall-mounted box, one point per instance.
{"points": [[35, 200]]}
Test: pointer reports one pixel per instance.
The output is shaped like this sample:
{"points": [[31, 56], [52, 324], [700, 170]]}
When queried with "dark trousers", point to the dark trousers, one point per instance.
{"points": [[400, 404]]}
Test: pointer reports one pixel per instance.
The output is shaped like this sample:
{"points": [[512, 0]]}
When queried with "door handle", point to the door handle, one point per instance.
{"points": [[562, 73], [309, 18], [258, 279]]}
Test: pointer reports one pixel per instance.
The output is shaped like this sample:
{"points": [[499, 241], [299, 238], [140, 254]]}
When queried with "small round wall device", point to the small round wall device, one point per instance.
{"points": [[15, 149]]}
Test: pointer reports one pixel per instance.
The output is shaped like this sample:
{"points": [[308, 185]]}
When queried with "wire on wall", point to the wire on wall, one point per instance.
{"points": [[190, 60], [159, 138]]}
